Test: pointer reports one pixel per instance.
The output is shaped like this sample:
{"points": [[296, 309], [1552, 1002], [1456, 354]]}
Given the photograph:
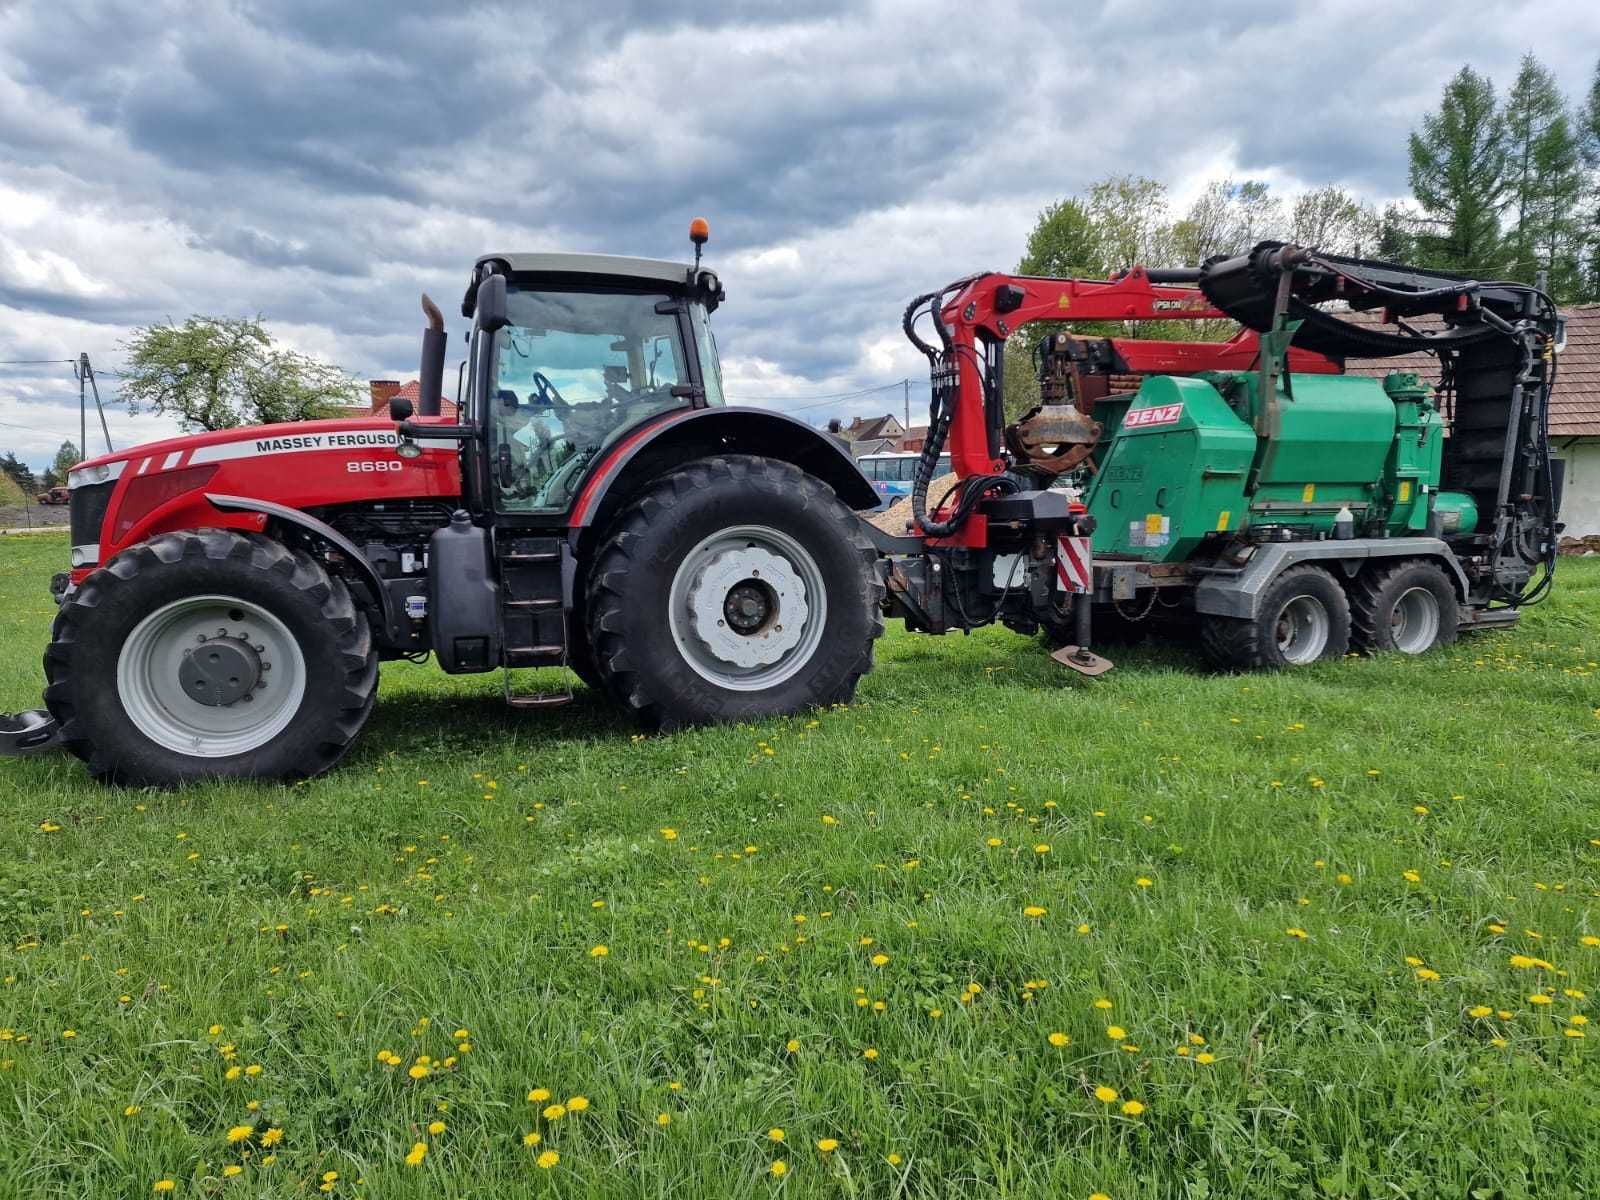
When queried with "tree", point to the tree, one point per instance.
{"points": [[1458, 175], [220, 372], [66, 458], [1227, 218], [14, 469], [1589, 136], [1064, 243], [1331, 219], [1545, 181], [1129, 217], [1396, 234]]}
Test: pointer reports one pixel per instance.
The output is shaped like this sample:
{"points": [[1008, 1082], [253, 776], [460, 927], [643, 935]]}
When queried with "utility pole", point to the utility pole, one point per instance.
{"points": [[86, 373], [906, 383]]}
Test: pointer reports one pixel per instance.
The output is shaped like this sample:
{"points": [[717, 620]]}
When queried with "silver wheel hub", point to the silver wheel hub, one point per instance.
{"points": [[211, 676], [746, 607], [1414, 624], [1302, 630]]}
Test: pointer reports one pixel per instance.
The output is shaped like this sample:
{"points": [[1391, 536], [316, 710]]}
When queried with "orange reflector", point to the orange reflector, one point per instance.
{"points": [[699, 231]]}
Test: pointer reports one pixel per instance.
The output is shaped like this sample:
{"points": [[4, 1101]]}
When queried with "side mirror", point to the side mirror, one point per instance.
{"points": [[399, 409], [492, 313]]}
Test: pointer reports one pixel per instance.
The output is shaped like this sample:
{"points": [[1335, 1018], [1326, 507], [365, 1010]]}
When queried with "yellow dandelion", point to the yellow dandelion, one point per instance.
{"points": [[1116, 1032], [663, 1119], [577, 1104], [1131, 1108], [1539, 998], [779, 1168], [239, 1133], [1205, 1059], [418, 1152], [879, 960], [1059, 1039], [418, 1071], [1106, 1095], [548, 1159], [232, 1169], [163, 1185], [554, 1112], [599, 951], [272, 1137], [827, 1145], [532, 1138], [775, 1134], [1033, 910], [436, 1127], [538, 1095]]}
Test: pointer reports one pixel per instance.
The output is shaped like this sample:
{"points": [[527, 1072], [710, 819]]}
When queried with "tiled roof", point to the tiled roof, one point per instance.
{"points": [[447, 406], [1575, 403]]}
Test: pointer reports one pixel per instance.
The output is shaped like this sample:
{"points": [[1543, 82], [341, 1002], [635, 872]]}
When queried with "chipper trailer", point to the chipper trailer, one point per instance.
{"points": [[597, 507]]}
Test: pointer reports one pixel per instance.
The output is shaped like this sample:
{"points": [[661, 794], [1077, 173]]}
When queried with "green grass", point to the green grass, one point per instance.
{"points": [[451, 875]]}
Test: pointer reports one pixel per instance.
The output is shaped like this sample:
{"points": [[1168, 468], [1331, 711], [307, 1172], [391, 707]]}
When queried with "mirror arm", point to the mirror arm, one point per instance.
{"points": [[460, 433]]}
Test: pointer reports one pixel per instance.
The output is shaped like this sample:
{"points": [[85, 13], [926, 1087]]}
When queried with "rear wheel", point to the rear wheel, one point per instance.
{"points": [[1408, 607], [735, 587], [1304, 616], [210, 654]]}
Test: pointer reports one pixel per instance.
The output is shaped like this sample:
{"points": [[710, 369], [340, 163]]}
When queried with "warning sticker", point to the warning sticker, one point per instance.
{"points": [[1310, 493], [1154, 530], [1405, 490]]}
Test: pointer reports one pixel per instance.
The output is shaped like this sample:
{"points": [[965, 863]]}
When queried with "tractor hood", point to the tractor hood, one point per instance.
{"points": [[335, 433]]}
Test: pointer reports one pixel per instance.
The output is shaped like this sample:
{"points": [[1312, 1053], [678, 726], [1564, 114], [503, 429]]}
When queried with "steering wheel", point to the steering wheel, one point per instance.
{"points": [[548, 392]]}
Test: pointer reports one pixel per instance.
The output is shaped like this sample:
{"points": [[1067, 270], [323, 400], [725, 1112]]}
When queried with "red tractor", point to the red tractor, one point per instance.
{"points": [[598, 508]]}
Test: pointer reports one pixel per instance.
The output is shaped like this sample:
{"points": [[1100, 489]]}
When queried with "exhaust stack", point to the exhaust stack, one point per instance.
{"points": [[431, 376]]}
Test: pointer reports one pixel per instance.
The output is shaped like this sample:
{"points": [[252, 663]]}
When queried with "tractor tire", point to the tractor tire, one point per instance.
{"points": [[685, 627], [1304, 616], [210, 654], [1406, 607]]}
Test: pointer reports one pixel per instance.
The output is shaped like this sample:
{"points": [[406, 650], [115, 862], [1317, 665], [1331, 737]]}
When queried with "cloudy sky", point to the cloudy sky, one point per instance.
{"points": [[321, 164]]}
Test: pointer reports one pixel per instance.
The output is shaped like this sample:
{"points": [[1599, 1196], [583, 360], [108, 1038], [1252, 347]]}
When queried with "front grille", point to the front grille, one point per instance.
{"points": [[88, 511]]}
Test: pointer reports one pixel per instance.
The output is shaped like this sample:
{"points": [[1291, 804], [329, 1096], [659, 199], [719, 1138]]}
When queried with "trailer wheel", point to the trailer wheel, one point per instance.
{"points": [[1407, 607], [1304, 616], [210, 654], [736, 587]]}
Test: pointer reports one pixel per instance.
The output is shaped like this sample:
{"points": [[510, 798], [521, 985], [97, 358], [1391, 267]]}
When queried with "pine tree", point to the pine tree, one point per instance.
{"points": [[1589, 137], [1545, 182], [1458, 175]]}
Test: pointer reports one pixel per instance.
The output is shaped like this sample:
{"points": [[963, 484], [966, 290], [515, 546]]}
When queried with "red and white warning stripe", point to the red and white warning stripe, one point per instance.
{"points": [[1074, 564]]}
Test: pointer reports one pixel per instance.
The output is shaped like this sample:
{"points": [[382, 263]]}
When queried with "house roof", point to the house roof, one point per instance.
{"points": [[412, 390], [1575, 402], [865, 429]]}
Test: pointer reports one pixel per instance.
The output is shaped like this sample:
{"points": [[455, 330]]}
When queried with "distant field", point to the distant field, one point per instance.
{"points": [[994, 930]]}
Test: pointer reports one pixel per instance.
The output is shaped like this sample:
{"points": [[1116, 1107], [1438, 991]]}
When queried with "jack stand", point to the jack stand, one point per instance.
{"points": [[1082, 660]]}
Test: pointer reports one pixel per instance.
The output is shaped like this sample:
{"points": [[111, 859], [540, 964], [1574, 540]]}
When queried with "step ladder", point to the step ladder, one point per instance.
{"points": [[534, 573]]}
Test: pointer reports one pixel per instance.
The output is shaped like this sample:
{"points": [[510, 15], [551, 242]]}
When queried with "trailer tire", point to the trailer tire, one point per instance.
{"points": [[1304, 616], [120, 673], [692, 544], [1406, 607]]}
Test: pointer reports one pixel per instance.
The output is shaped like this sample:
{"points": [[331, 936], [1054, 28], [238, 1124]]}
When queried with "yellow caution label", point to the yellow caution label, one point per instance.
{"points": [[1153, 523], [1405, 490], [1222, 521], [1310, 494], [1064, 301]]}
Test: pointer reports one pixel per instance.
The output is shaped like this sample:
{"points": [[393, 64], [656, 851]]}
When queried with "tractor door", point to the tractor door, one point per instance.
{"points": [[573, 373]]}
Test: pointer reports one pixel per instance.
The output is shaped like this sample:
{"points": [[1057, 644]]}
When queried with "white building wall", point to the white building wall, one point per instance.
{"points": [[1580, 501]]}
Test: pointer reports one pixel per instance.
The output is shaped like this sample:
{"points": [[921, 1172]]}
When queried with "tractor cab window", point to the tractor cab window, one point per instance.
{"points": [[574, 370]]}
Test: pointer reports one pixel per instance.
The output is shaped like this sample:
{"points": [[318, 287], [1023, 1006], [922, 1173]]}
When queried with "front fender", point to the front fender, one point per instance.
{"points": [[694, 433]]}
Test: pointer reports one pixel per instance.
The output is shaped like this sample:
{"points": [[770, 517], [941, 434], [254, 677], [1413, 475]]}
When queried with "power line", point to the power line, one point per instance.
{"points": [[33, 362], [827, 396]]}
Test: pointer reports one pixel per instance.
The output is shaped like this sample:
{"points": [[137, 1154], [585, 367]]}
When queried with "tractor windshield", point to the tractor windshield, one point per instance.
{"points": [[574, 371]]}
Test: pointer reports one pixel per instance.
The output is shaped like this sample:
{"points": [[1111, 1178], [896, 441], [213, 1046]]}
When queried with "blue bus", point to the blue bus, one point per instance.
{"points": [[891, 473]]}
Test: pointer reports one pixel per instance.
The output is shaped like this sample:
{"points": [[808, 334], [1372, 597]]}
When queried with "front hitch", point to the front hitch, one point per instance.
{"points": [[27, 732]]}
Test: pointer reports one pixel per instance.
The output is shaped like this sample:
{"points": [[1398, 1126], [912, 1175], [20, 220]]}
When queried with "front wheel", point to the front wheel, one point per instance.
{"points": [[210, 654], [734, 588]]}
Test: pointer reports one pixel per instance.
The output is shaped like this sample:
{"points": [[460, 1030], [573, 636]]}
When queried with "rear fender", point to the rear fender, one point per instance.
{"points": [[697, 433]]}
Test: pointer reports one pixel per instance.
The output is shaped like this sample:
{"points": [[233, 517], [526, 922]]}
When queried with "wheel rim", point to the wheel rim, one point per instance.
{"points": [[1302, 630], [747, 607], [211, 676], [1414, 623]]}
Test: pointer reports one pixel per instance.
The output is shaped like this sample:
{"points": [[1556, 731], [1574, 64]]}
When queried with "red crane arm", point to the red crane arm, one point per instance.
{"points": [[991, 308]]}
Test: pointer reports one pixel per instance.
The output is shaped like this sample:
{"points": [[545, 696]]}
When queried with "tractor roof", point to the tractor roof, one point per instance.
{"points": [[653, 270]]}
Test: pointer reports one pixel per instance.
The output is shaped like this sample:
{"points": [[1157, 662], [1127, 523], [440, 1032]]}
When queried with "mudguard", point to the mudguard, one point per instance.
{"points": [[695, 432]]}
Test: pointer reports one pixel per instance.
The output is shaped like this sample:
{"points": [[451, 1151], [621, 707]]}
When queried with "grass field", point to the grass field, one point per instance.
{"points": [[992, 930]]}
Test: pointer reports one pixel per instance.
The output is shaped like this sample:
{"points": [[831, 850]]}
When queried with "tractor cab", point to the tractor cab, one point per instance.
{"points": [[569, 353]]}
